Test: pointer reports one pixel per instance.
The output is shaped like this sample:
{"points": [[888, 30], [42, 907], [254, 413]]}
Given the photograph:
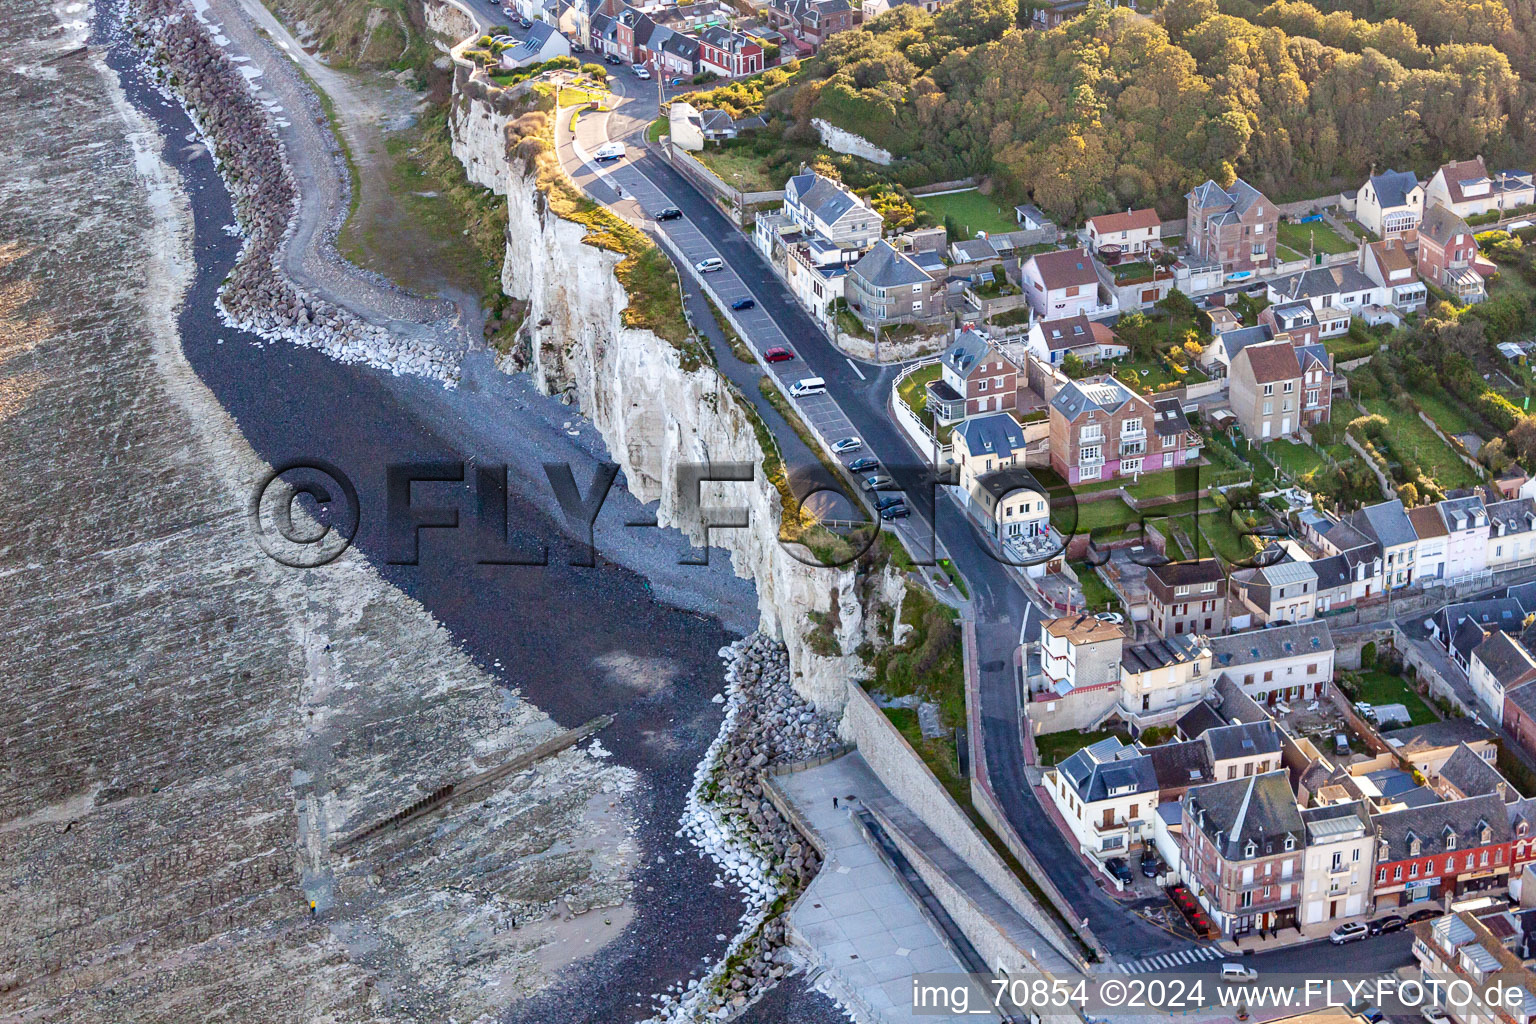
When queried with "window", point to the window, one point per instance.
{"points": [[1413, 870], [1269, 407], [1269, 389], [1091, 453], [1290, 386], [1397, 873]]}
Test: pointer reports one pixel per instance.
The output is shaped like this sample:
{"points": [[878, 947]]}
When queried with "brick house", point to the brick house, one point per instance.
{"points": [[729, 54], [975, 372], [1241, 849], [1187, 597], [1101, 429], [1447, 256], [1443, 849], [1134, 231], [1236, 227], [813, 20]]}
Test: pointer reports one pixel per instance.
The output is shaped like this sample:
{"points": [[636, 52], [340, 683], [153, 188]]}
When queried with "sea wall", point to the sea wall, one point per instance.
{"points": [[655, 414]]}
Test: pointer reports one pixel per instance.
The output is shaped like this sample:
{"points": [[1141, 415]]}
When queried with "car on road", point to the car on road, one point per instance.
{"points": [[612, 59], [1385, 925], [577, 47], [895, 512], [525, 23], [1354, 931], [743, 303], [861, 464], [609, 151], [1151, 867], [1434, 1015], [778, 354], [709, 266], [640, 70], [807, 386], [1113, 618], [1237, 972], [878, 482], [1427, 914], [844, 445], [1119, 868], [1373, 1014], [890, 501], [670, 213]]}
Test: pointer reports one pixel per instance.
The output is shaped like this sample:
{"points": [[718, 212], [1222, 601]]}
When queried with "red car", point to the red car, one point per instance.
{"points": [[778, 355]]}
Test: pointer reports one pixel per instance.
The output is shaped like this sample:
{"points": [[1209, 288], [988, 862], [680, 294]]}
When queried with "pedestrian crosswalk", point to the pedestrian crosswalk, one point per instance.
{"points": [[1170, 961]]}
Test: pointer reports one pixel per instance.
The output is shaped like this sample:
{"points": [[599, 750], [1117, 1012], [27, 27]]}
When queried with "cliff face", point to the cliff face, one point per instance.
{"points": [[654, 414]]}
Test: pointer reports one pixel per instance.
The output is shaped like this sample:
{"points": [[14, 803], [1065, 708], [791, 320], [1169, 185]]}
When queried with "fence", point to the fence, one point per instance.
{"points": [[736, 201], [924, 439]]}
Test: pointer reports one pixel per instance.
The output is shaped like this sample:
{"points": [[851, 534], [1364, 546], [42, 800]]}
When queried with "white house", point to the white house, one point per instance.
{"points": [[827, 208], [1281, 663], [1434, 541], [1134, 231], [1336, 294], [1511, 533], [1107, 794], [1339, 862], [1390, 204], [1163, 675], [1065, 283], [1466, 542], [1052, 340], [1467, 189], [541, 43], [1498, 665]]}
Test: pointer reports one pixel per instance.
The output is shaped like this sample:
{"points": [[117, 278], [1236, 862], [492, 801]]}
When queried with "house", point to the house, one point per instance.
{"points": [[1459, 952], [1241, 850], [1336, 294], [1511, 533], [1439, 850], [1163, 675], [1187, 597], [1499, 664], [1243, 749], [1466, 189], [1266, 390], [1340, 857], [1388, 525], [1235, 227], [1465, 625], [1390, 205], [727, 53], [985, 444], [1011, 504], [1101, 429], [1030, 218], [886, 287], [1520, 715], [1296, 320], [1289, 663], [1466, 542], [1180, 765], [1467, 773], [1226, 705], [1080, 653], [1429, 555], [813, 21], [1429, 746], [975, 251], [1388, 265], [977, 374], [1051, 341], [1447, 255], [1134, 232], [1281, 592], [1106, 793], [676, 55], [542, 42], [1064, 283], [825, 207]]}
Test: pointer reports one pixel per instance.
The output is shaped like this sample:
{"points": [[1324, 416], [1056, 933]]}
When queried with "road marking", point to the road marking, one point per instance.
{"points": [[855, 368]]}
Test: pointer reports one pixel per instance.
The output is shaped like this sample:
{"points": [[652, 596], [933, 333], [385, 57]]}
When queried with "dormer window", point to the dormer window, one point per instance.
{"points": [[1290, 843], [1450, 838], [1249, 849], [1484, 833], [1414, 845]]}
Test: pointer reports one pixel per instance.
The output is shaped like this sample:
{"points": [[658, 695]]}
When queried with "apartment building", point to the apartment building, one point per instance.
{"points": [[1161, 676], [1241, 850], [1290, 663], [1442, 849], [824, 207], [1187, 597], [1101, 430], [1340, 860], [1277, 389], [1237, 227], [1463, 950]]}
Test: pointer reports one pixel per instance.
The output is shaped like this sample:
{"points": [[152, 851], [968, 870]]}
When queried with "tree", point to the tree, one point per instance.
{"points": [[1408, 494], [596, 72], [1523, 440]]}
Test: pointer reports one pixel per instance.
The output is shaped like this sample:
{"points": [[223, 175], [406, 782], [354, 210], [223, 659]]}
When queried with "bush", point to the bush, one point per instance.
{"points": [[1368, 655]]}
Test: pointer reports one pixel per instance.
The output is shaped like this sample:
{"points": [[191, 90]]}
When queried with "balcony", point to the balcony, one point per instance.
{"points": [[1131, 449]]}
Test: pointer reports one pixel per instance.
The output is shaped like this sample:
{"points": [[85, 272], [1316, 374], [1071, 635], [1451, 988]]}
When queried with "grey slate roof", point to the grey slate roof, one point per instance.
{"points": [[1175, 650], [1181, 765], [1504, 657], [965, 352], [1246, 739], [821, 196], [1448, 733], [1188, 573], [1168, 419], [1108, 765], [1259, 810], [1432, 824], [1473, 776], [1464, 514], [975, 250], [1230, 203], [1517, 515], [1525, 593], [994, 434], [884, 267], [1320, 282], [1386, 523], [1392, 187], [1235, 341], [1259, 645], [1440, 224], [1332, 572], [1105, 395], [1004, 482], [1492, 612]]}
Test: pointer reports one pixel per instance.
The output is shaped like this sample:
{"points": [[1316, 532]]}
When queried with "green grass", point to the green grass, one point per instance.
{"points": [[1287, 254], [1295, 459], [1096, 592], [1152, 374], [1378, 687], [740, 168], [1410, 437], [1305, 238], [914, 392], [1055, 747], [971, 210], [1445, 411], [658, 128]]}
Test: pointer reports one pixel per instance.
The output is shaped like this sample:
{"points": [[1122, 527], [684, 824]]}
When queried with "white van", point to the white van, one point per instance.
{"points": [[612, 151], [808, 386], [710, 265]]}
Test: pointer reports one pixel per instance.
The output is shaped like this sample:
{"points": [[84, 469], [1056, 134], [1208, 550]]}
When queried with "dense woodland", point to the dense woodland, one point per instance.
{"points": [[1115, 108]]}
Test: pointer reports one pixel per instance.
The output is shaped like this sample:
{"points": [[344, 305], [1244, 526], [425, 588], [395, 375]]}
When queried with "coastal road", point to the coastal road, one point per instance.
{"points": [[857, 403]]}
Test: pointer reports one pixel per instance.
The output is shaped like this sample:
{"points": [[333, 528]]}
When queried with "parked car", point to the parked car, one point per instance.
{"points": [[878, 482], [844, 445], [1354, 931], [1237, 972], [1434, 1015], [778, 354], [890, 501], [525, 23], [860, 465], [1114, 618], [577, 47], [895, 512], [670, 213], [640, 70], [807, 386], [1119, 868], [1427, 914], [1373, 1014], [743, 303], [1386, 925], [612, 59], [1151, 867], [709, 266], [609, 151]]}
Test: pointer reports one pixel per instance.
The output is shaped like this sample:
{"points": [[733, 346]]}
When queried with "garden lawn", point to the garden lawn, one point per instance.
{"points": [[971, 210], [1411, 437], [1095, 591], [1305, 237], [1295, 459], [1446, 411], [1378, 687], [740, 167], [1053, 748]]}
